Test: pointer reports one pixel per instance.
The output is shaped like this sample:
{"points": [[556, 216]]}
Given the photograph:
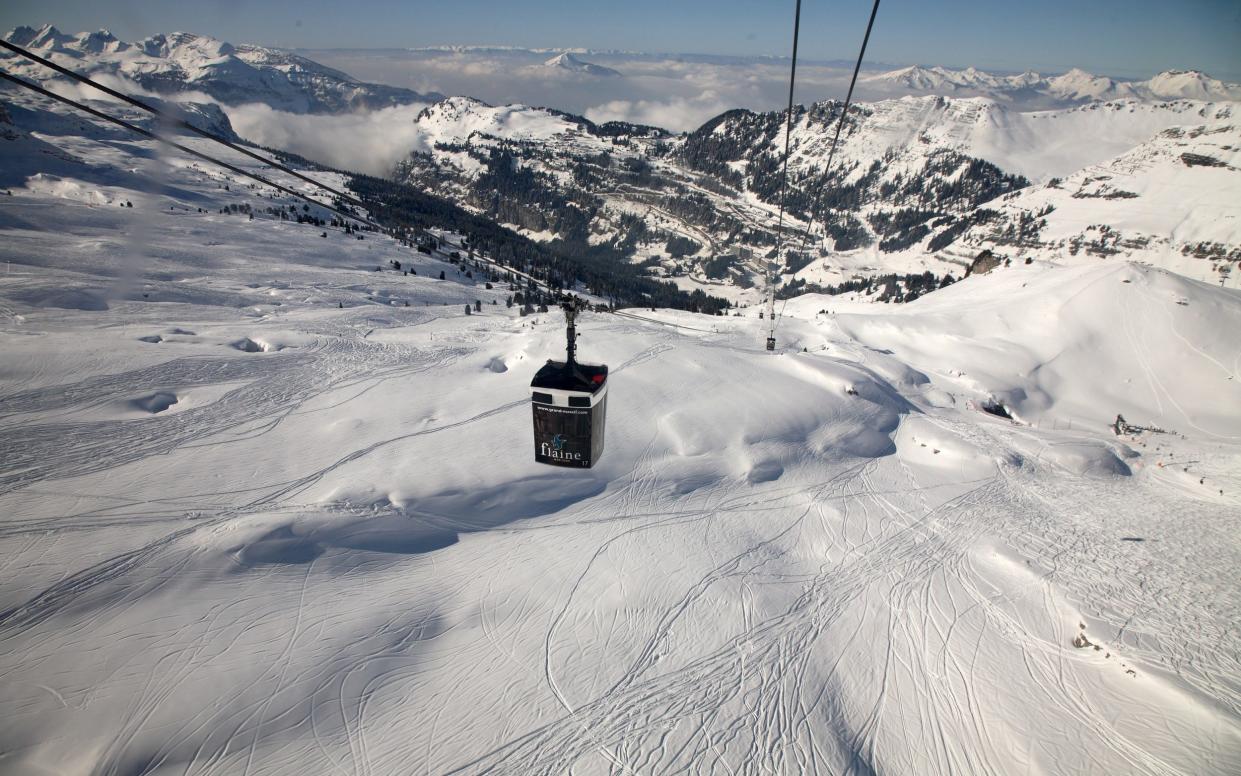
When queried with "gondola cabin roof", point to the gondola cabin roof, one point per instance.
{"points": [[576, 377]]}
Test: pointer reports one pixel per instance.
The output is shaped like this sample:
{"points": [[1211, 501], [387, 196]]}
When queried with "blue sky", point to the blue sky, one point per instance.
{"points": [[1134, 38]]}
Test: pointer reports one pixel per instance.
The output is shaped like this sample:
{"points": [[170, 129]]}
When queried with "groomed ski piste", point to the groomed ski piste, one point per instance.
{"points": [[258, 516]]}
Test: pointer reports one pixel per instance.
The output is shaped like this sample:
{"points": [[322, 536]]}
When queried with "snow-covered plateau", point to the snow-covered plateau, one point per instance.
{"points": [[268, 504]]}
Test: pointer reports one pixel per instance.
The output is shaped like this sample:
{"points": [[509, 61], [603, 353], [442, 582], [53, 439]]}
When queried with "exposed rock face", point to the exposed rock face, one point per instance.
{"points": [[983, 263]]}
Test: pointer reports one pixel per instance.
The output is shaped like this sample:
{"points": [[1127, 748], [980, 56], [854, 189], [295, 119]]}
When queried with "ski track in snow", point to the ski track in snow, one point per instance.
{"points": [[758, 701], [748, 702]]}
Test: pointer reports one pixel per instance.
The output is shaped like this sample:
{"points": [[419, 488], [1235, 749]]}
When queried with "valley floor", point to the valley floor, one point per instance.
{"points": [[259, 516]]}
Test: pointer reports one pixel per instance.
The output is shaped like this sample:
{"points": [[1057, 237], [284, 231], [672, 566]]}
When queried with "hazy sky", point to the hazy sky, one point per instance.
{"points": [[1114, 37]]}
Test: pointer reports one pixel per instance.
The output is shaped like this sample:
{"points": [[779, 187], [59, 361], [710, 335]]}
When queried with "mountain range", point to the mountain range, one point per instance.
{"points": [[919, 184], [1074, 86], [184, 64], [922, 183]]}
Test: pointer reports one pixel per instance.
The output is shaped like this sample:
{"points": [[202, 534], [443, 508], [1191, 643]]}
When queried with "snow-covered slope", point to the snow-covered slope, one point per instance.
{"points": [[919, 162], [179, 63], [459, 119], [1174, 201], [912, 175], [1040, 144], [259, 516], [1149, 335]]}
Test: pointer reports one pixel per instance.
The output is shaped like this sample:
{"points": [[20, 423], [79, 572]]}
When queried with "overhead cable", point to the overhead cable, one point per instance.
{"points": [[831, 153], [182, 123], [198, 154], [784, 184]]}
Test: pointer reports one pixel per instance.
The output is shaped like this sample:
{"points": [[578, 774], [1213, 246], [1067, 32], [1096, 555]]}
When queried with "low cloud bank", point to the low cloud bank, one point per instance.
{"points": [[371, 142], [84, 93], [678, 114], [671, 91]]}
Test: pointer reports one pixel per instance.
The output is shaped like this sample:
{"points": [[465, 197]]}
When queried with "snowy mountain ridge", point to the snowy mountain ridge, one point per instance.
{"points": [[205, 61], [181, 62], [567, 62], [1073, 86], [909, 174], [700, 208]]}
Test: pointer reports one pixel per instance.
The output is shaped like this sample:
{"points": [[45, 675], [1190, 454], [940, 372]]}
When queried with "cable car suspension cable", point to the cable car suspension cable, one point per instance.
{"points": [[178, 146], [239, 171], [831, 153], [784, 184], [178, 121], [625, 314]]}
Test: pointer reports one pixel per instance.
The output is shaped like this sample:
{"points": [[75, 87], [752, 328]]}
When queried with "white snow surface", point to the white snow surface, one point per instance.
{"points": [[258, 516]]}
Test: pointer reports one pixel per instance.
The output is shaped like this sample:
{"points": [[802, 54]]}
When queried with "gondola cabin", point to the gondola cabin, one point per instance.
{"points": [[569, 401]]}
